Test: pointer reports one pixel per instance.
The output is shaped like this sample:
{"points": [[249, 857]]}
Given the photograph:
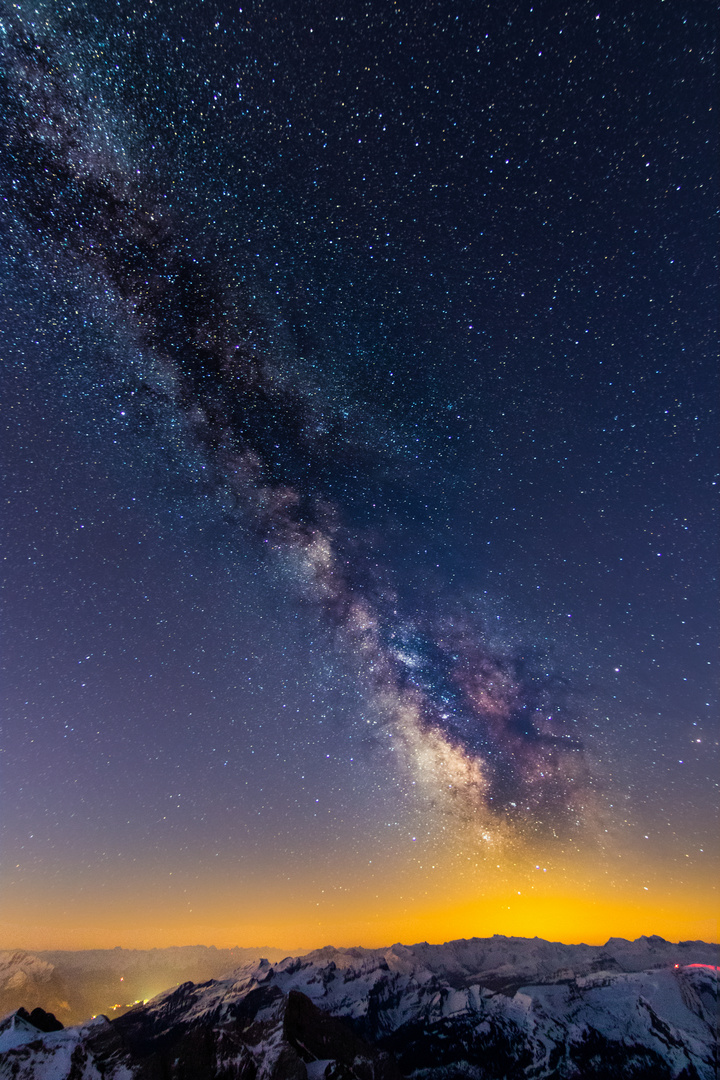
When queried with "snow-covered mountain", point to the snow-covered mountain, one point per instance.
{"points": [[26, 979], [505, 963], [628, 1009]]}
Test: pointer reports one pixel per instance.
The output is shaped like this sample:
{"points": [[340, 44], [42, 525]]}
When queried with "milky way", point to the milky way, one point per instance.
{"points": [[477, 725], [358, 368]]}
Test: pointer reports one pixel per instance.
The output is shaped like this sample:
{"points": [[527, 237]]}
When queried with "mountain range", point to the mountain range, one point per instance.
{"points": [[482, 1009]]}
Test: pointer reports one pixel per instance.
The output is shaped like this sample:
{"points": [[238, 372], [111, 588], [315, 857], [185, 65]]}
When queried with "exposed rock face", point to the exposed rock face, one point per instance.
{"points": [[367, 1015], [43, 1021], [263, 1034]]}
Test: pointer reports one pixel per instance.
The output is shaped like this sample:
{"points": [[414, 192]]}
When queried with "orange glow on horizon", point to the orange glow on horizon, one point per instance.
{"points": [[299, 924], [369, 898]]}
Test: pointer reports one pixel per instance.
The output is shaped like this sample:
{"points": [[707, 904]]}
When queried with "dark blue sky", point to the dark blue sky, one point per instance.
{"points": [[359, 369]]}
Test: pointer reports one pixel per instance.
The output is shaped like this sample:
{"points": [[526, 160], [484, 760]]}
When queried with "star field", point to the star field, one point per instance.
{"points": [[360, 434]]}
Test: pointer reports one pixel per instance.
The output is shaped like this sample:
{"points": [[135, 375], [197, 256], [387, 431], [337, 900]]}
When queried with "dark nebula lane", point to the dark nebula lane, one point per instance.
{"points": [[488, 742]]}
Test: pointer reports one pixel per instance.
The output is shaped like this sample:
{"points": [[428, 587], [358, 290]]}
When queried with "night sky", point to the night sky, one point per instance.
{"points": [[358, 369]]}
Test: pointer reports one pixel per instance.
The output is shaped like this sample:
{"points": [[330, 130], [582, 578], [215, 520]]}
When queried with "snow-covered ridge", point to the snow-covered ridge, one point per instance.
{"points": [[381, 989], [472, 959], [77, 984]]}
